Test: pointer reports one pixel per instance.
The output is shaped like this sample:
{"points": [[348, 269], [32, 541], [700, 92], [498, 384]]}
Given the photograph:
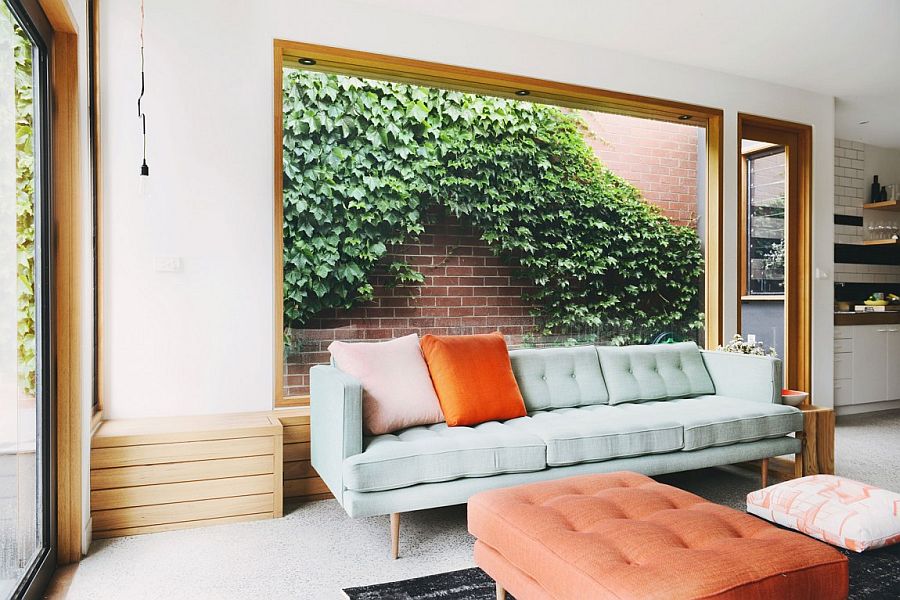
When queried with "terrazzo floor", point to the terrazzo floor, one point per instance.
{"points": [[316, 550]]}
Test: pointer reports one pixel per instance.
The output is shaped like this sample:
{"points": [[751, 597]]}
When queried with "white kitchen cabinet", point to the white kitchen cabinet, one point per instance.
{"points": [[867, 364], [893, 361]]}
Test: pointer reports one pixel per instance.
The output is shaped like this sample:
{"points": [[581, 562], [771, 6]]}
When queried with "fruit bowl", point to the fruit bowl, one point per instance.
{"points": [[793, 397]]}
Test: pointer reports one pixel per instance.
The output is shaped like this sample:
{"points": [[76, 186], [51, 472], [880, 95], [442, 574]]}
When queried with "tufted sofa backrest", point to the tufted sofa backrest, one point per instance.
{"points": [[558, 377], [655, 372]]}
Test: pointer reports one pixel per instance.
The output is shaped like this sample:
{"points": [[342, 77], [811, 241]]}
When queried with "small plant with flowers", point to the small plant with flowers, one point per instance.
{"points": [[739, 346]]}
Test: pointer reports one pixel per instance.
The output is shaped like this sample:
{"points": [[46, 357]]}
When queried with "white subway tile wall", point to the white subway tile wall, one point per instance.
{"points": [[850, 191]]}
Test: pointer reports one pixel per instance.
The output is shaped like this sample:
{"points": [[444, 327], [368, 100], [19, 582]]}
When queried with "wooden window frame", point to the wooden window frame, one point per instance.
{"points": [[797, 140], [379, 66], [66, 222]]}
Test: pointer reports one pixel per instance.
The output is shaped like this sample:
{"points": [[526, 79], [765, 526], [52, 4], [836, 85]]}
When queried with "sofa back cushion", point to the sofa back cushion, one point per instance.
{"points": [[558, 377], [654, 372]]}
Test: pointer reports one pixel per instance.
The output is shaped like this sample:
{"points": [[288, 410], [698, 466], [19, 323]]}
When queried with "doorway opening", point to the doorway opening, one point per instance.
{"points": [[774, 230]]}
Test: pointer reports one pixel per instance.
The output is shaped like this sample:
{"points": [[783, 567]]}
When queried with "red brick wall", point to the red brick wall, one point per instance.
{"points": [[658, 158], [466, 290], [469, 290]]}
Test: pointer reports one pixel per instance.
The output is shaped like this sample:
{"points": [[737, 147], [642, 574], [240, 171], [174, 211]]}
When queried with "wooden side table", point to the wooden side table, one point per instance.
{"points": [[817, 456]]}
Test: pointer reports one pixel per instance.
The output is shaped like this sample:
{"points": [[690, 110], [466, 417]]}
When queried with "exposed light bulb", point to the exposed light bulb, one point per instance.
{"points": [[144, 191]]}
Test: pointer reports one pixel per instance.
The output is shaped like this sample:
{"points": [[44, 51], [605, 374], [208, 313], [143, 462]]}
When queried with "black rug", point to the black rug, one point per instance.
{"points": [[874, 575]]}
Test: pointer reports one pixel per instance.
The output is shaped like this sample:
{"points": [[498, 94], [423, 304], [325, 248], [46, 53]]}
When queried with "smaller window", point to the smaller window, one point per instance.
{"points": [[765, 226]]}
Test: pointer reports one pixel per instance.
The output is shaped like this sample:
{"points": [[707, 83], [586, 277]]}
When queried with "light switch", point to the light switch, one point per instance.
{"points": [[751, 338], [167, 264]]}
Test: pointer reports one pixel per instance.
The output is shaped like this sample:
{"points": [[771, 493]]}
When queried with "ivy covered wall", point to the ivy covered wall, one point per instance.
{"points": [[18, 111], [365, 160]]}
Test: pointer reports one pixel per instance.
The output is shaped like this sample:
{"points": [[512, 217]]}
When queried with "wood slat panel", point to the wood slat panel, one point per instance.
{"points": [[298, 451], [299, 469], [294, 488], [132, 432], [102, 479], [296, 434], [278, 473], [292, 401], [151, 454], [158, 514], [111, 533], [298, 500], [292, 416], [185, 491]]}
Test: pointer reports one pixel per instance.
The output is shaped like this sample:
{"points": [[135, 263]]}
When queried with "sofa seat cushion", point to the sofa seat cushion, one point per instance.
{"points": [[600, 432], [441, 453], [721, 420]]}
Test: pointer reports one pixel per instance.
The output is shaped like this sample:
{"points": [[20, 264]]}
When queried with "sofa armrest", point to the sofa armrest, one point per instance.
{"points": [[745, 376], [335, 423]]}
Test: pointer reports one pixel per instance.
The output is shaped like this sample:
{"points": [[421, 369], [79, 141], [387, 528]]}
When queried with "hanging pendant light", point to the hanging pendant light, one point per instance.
{"points": [[144, 181]]}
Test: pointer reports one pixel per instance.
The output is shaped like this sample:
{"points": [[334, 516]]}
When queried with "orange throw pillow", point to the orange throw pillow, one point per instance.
{"points": [[473, 378]]}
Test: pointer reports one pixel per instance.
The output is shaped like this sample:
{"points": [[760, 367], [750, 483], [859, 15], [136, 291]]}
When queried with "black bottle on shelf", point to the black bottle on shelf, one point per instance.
{"points": [[875, 195]]}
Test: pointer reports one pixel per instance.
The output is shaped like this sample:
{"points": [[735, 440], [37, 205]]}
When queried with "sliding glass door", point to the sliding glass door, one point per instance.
{"points": [[27, 533]]}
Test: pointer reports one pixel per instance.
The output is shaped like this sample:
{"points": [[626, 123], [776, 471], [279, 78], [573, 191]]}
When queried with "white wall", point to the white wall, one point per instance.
{"points": [[200, 341]]}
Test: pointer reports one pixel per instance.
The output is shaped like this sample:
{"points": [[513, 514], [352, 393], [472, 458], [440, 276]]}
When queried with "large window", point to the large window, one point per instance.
{"points": [[412, 208], [26, 494]]}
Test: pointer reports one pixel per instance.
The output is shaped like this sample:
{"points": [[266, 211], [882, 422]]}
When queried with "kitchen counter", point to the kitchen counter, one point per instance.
{"points": [[871, 318]]}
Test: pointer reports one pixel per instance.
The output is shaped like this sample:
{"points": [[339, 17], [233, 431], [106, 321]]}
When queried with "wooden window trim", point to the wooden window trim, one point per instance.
{"points": [[378, 66], [797, 139]]}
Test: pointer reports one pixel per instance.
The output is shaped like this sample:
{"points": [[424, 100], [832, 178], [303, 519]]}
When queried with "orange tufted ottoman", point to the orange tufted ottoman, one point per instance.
{"points": [[623, 535]]}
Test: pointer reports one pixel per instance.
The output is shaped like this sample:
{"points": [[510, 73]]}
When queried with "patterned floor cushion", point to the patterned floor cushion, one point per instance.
{"points": [[836, 510]]}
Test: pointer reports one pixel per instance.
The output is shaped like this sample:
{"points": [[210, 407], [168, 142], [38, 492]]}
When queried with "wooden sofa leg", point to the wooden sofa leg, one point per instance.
{"points": [[765, 472], [501, 593], [395, 535]]}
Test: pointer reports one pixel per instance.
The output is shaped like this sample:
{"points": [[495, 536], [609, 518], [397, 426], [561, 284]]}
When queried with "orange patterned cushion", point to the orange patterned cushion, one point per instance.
{"points": [[623, 535], [836, 510], [473, 378]]}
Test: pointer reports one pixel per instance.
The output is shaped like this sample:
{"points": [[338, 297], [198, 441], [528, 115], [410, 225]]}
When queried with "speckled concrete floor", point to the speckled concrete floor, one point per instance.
{"points": [[316, 550]]}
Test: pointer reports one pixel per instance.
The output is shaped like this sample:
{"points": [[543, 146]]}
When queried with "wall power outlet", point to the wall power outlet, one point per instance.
{"points": [[167, 264]]}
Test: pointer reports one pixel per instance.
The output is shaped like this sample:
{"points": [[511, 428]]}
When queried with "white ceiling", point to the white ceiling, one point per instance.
{"points": [[849, 49]]}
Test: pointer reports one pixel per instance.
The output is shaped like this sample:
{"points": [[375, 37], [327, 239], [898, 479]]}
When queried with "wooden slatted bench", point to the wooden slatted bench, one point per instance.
{"points": [[159, 474], [301, 482]]}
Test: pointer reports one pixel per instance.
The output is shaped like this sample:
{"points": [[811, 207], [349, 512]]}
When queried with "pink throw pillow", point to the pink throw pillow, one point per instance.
{"points": [[397, 388], [840, 511]]}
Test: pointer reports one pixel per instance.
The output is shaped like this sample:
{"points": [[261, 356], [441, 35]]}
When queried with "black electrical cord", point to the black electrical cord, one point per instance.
{"points": [[145, 170]]}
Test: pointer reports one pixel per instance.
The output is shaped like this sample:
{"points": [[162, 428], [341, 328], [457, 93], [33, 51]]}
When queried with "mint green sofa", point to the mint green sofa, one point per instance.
{"points": [[650, 409]]}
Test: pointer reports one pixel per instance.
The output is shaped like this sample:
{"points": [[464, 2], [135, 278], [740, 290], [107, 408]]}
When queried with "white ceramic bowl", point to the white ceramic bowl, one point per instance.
{"points": [[793, 397]]}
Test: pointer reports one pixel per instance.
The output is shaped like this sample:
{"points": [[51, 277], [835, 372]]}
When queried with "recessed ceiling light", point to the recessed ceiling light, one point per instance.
{"points": [[522, 92], [307, 61], [863, 122], [684, 117]]}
